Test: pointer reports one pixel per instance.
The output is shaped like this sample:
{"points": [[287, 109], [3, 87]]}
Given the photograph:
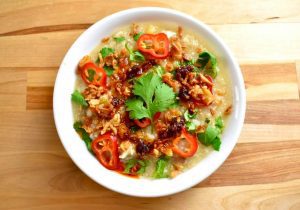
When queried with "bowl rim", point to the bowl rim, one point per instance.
{"points": [[240, 91]]}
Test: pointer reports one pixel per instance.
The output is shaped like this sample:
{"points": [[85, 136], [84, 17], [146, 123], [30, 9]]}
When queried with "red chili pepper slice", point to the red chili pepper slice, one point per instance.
{"points": [[185, 145], [92, 74], [105, 148], [155, 45], [156, 116], [142, 123]]}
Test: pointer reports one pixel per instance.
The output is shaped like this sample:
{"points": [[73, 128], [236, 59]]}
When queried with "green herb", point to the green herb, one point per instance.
{"points": [[188, 116], [159, 70], [97, 60], [78, 98], [105, 51], [134, 55], [137, 36], [219, 123], [216, 143], [190, 123], [84, 135], [128, 165], [109, 70], [143, 165], [211, 136], [132, 162], [119, 39], [91, 74], [161, 166], [152, 96], [208, 62], [190, 126]]}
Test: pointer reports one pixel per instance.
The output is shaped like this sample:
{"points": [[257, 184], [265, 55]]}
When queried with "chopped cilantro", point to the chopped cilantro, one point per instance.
{"points": [[211, 136], [208, 62], [134, 55], [109, 70], [119, 39], [78, 98], [137, 36], [132, 162], [161, 168], [84, 135], [105, 51]]}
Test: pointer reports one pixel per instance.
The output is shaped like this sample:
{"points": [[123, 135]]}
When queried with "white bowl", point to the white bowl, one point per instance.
{"points": [[76, 148]]}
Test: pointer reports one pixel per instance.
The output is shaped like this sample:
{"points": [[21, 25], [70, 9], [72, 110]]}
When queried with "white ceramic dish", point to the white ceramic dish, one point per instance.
{"points": [[75, 147]]}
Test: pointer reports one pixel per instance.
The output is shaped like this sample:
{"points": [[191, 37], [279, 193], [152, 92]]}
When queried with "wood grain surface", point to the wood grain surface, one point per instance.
{"points": [[263, 171]]}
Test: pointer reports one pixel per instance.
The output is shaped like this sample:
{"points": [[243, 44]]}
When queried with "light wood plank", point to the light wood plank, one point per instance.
{"points": [[33, 131], [256, 163], [49, 12], [79, 195], [48, 49], [12, 90], [42, 78], [39, 98], [273, 112], [249, 45], [298, 75], [269, 133]]}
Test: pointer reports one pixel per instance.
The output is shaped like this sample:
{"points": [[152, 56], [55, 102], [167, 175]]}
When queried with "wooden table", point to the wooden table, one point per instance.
{"points": [[263, 171]]}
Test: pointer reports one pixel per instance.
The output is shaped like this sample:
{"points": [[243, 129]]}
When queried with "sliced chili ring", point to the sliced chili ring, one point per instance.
{"points": [[185, 145], [92, 74], [142, 123], [155, 45], [105, 147]]}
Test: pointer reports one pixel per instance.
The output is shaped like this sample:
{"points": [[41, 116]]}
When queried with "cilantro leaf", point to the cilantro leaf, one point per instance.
{"points": [[136, 109], [208, 62], [137, 36], [160, 169], [208, 136], [132, 162], [134, 55], [84, 135], [219, 123], [128, 165], [152, 96], [78, 98], [190, 123], [119, 39], [109, 70], [164, 98], [105, 51], [143, 165], [211, 136], [216, 143]]}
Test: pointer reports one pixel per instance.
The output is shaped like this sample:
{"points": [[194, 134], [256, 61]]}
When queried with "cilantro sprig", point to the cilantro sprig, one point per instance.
{"points": [[105, 51], [208, 62], [151, 96], [78, 98], [84, 135], [132, 162], [134, 55], [211, 136]]}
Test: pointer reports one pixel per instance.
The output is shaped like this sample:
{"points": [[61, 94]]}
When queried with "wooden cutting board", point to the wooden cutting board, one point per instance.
{"points": [[263, 171]]}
